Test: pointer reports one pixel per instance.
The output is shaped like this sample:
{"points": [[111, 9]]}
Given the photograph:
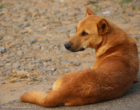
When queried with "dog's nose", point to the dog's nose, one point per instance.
{"points": [[67, 46]]}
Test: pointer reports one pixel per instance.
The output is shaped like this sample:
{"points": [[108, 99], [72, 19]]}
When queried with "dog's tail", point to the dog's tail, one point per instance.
{"points": [[54, 98]]}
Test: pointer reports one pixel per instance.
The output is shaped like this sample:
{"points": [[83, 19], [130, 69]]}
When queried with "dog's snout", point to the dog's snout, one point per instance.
{"points": [[67, 46]]}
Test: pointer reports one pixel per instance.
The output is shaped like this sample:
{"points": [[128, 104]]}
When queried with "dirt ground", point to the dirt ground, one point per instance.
{"points": [[32, 53]]}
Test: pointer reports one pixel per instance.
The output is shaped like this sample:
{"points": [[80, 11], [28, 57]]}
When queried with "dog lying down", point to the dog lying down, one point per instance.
{"points": [[115, 69]]}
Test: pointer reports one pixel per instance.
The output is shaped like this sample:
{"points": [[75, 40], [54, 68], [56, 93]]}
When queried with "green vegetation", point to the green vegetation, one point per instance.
{"points": [[133, 7], [122, 2], [96, 7], [35, 79], [1, 6], [125, 1], [123, 9], [59, 18]]}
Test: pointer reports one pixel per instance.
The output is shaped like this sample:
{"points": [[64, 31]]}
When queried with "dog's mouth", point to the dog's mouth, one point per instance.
{"points": [[72, 50], [82, 49]]}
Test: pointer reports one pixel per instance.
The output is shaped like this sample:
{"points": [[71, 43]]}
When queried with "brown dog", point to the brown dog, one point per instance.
{"points": [[113, 73]]}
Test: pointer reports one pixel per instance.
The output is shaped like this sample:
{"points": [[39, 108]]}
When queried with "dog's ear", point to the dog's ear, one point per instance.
{"points": [[103, 26], [89, 12]]}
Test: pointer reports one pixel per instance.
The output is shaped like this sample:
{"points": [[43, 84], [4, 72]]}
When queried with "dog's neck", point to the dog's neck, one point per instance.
{"points": [[110, 40]]}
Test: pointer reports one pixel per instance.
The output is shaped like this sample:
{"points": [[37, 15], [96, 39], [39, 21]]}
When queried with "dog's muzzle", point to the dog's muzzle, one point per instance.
{"points": [[69, 47]]}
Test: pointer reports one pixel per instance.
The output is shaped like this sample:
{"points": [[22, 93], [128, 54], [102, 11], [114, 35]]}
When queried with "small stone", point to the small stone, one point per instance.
{"points": [[22, 74], [8, 72], [19, 53], [31, 41], [125, 22], [72, 54], [3, 50], [15, 43], [16, 65], [29, 68], [12, 89], [3, 82], [9, 37], [43, 48], [17, 58], [12, 55], [36, 46], [2, 72], [65, 62], [2, 78], [2, 64], [49, 72], [18, 80], [1, 37], [8, 64], [24, 46], [30, 55], [77, 63], [34, 12], [138, 25], [21, 19], [130, 14], [137, 36], [36, 61], [43, 69], [51, 83]]}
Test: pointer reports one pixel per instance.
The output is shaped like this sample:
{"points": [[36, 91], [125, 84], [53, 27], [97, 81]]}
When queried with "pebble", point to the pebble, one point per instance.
{"points": [[77, 63], [34, 12], [12, 90], [18, 80], [16, 65], [29, 68], [15, 43], [2, 78], [2, 64], [1, 37], [8, 64], [12, 55], [130, 14], [65, 62], [49, 72], [3, 50], [37, 61], [9, 37], [3, 82], [21, 74], [21, 19], [36, 46], [137, 36], [31, 41], [19, 53]]}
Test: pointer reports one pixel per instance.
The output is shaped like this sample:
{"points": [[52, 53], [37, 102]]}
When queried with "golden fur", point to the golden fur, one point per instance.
{"points": [[113, 73]]}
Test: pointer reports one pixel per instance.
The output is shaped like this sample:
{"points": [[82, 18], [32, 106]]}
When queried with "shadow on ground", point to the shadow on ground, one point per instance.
{"points": [[130, 101]]}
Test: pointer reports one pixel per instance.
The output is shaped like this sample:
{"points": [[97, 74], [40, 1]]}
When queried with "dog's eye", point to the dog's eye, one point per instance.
{"points": [[84, 33]]}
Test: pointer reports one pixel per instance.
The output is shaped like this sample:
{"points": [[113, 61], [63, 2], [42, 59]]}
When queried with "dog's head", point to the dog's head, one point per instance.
{"points": [[89, 33]]}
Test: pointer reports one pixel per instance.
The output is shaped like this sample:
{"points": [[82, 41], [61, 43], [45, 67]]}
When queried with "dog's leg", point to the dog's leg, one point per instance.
{"points": [[137, 78]]}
